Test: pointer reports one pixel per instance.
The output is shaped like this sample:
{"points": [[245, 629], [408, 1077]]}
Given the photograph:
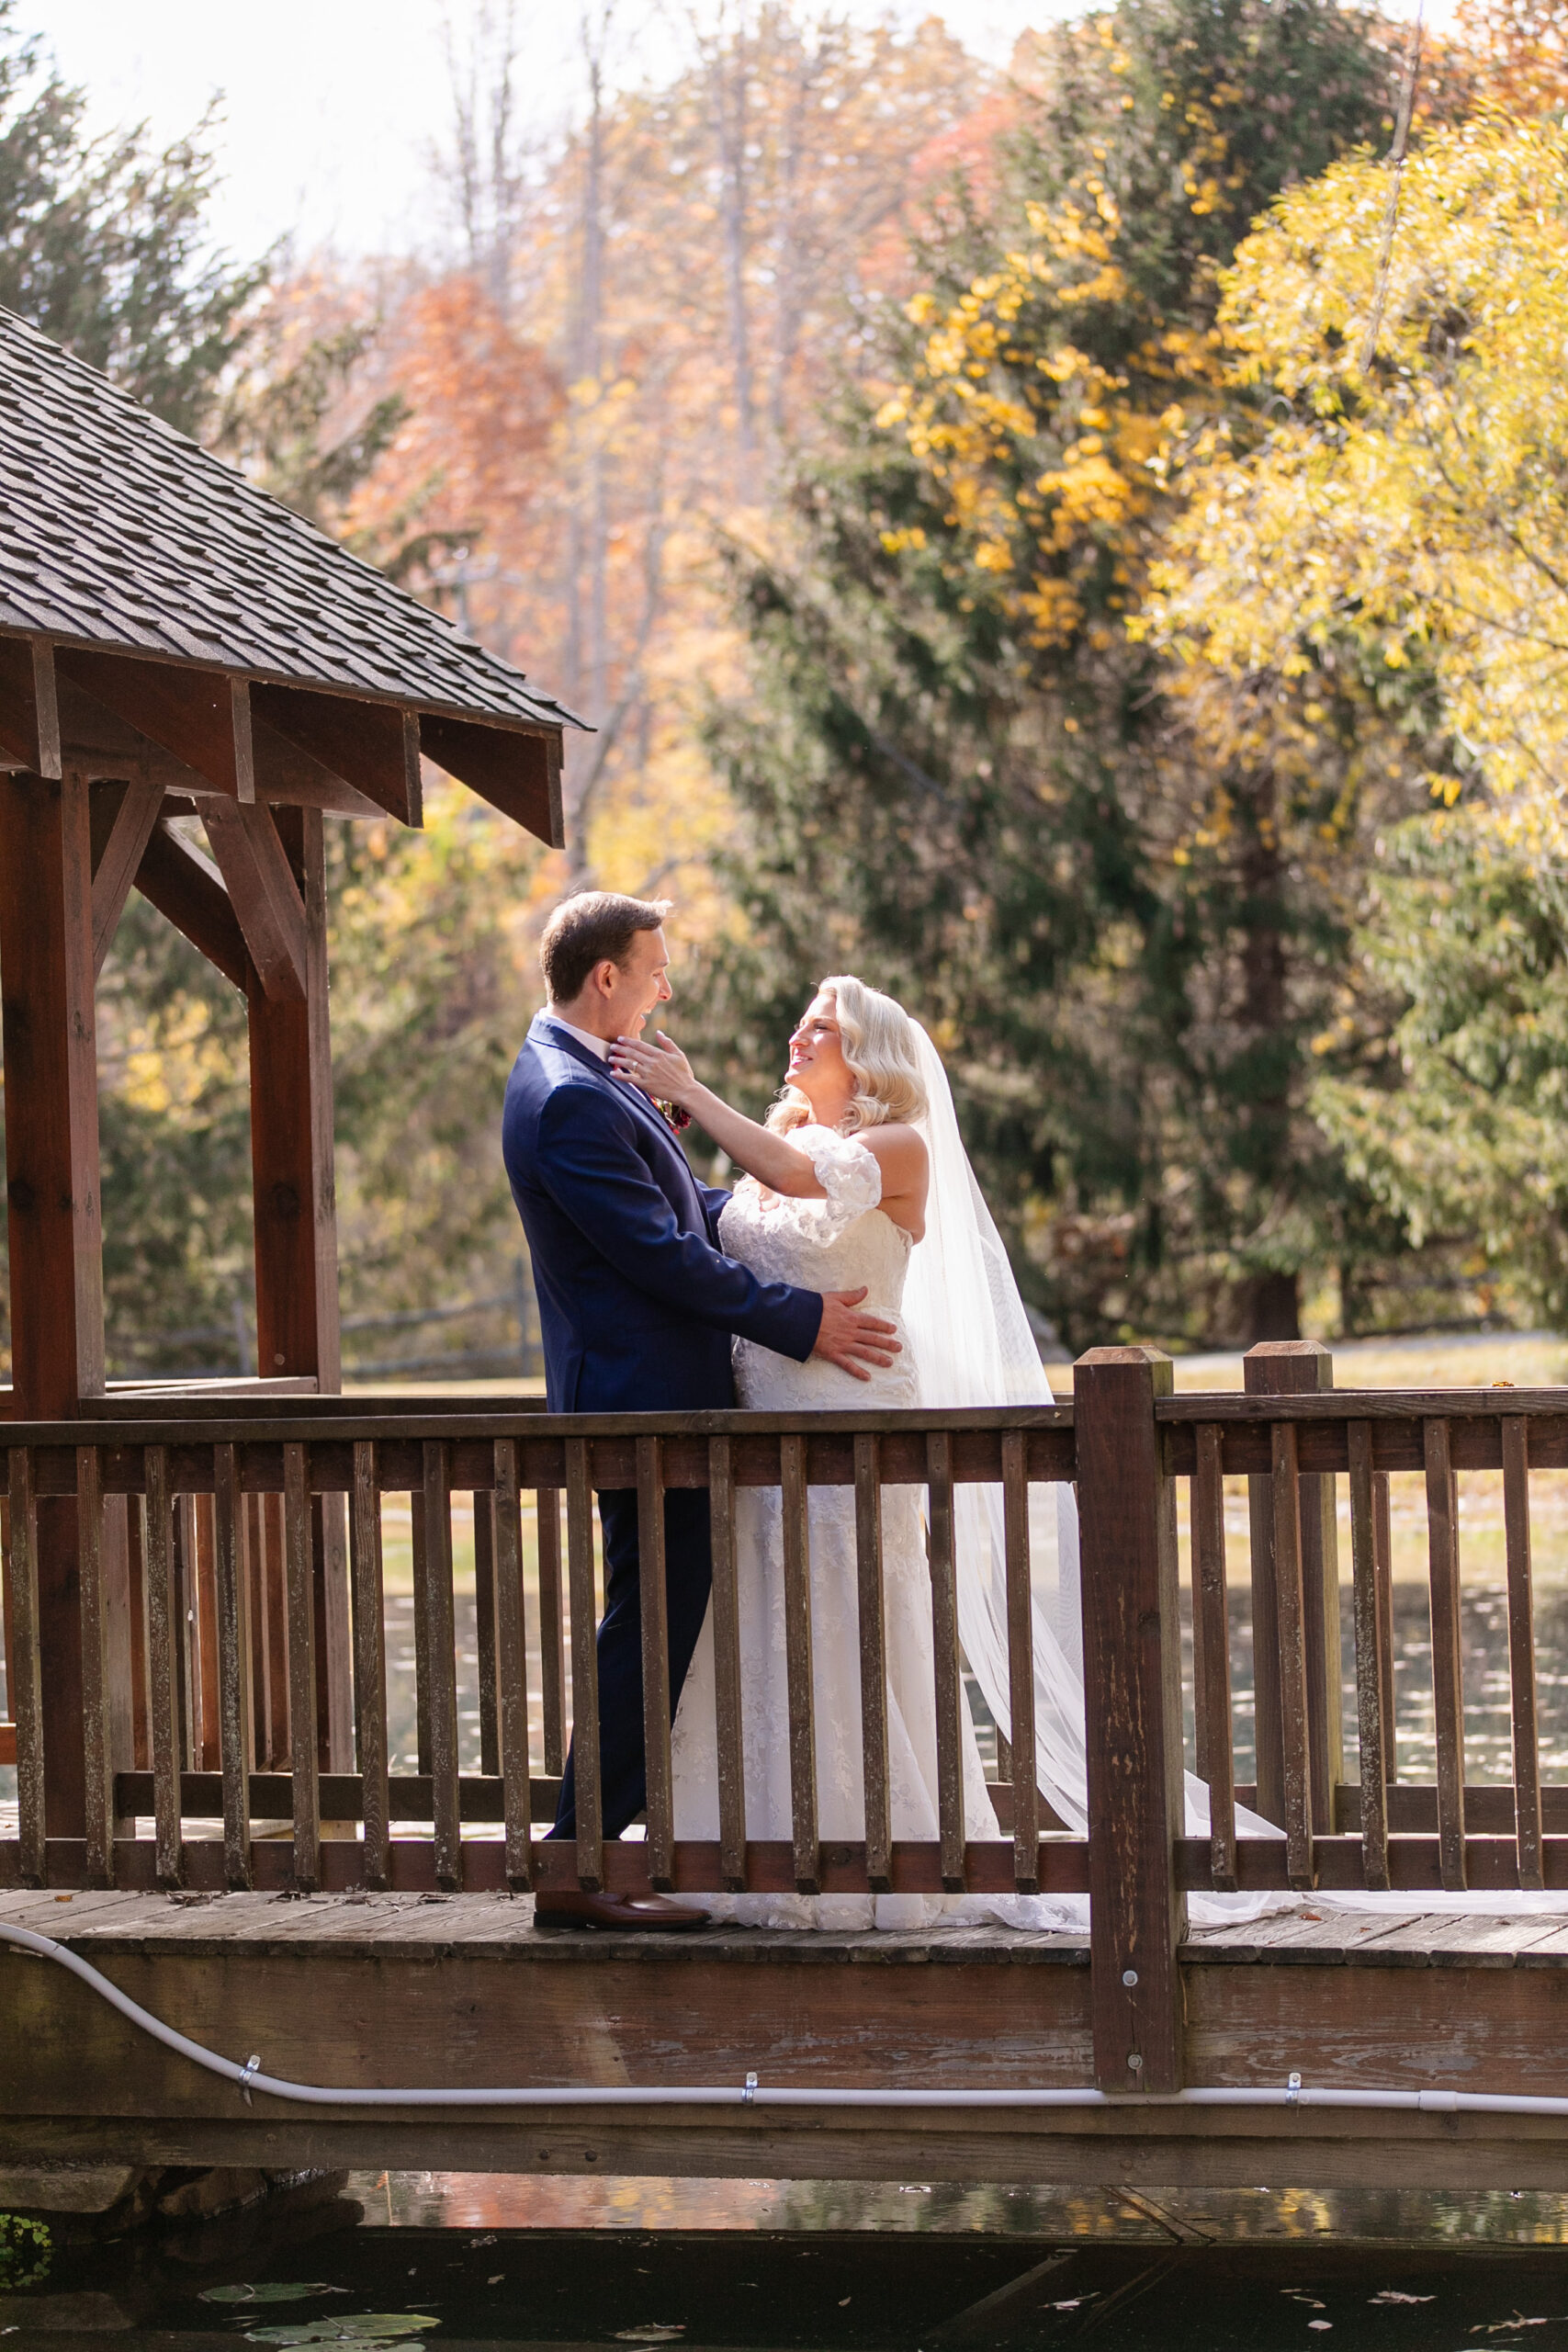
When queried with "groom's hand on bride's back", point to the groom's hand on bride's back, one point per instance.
{"points": [[851, 1339]]}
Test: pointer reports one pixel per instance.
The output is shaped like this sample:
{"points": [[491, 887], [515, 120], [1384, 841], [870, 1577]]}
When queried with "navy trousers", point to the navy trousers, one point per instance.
{"points": [[688, 1578]]}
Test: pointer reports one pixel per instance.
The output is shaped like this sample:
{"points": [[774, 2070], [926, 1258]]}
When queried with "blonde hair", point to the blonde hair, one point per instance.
{"points": [[879, 1045]]}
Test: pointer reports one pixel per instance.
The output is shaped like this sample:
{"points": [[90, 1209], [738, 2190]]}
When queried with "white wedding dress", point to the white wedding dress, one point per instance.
{"points": [[966, 1342], [839, 1243]]}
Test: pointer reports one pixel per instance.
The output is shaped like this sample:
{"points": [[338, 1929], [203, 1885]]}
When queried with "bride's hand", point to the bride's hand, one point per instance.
{"points": [[661, 1070]]}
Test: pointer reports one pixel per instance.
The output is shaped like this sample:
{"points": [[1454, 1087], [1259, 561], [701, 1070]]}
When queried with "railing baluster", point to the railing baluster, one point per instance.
{"points": [[584, 1666], [162, 1641], [1521, 1647], [552, 1634], [1448, 1686], [1373, 1698], [661, 1832], [188, 1662], [484, 1612], [1290, 1603], [98, 1761], [1021, 1666], [366, 1582], [6, 1639], [726, 1670], [207, 1743], [420, 1540], [136, 1538], [24, 1669], [949, 1682], [1211, 1646], [796, 1507], [441, 1646], [299, 1575], [873, 1664], [1383, 1560], [236, 1733], [511, 1662]]}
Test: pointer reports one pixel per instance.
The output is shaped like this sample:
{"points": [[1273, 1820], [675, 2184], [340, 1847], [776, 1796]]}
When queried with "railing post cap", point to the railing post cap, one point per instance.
{"points": [[1283, 1367], [1154, 1360]]}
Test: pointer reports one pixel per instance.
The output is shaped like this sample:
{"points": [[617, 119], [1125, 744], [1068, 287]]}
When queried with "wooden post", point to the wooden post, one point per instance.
{"points": [[1132, 1716], [1289, 1368], [296, 1242], [55, 1245]]}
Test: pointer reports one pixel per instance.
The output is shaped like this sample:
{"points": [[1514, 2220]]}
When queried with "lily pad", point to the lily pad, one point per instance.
{"points": [[349, 2327], [268, 2290]]}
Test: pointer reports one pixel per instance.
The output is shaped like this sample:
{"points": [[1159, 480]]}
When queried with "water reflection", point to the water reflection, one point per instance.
{"points": [[1345, 2216]]}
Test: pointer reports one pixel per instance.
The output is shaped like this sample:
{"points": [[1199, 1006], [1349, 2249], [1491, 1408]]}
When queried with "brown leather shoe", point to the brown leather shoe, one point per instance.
{"points": [[620, 1913]]}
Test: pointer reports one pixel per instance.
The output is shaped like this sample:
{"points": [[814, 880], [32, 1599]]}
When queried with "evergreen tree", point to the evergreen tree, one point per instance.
{"points": [[103, 242], [960, 773]]}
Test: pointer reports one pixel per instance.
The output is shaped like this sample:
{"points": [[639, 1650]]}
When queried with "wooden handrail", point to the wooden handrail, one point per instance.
{"points": [[207, 1659]]}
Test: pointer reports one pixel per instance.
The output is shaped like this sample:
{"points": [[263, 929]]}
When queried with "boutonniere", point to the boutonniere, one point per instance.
{"points": [[673, 1116]]}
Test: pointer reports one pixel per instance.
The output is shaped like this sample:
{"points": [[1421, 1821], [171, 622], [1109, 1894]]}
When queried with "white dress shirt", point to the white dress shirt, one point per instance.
{"points": [[600, 1046]]}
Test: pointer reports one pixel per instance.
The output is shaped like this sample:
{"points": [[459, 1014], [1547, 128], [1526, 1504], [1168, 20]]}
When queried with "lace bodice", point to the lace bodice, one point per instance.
{"points": [[839, 1243]]}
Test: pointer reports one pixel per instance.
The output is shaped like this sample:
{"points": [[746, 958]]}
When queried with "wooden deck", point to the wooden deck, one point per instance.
{"points": [[394, 1990], [227, 1678]]}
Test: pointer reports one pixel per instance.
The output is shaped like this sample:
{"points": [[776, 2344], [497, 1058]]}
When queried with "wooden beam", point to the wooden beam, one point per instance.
{"points": [[123, 817], [294, 1196], [185, 888], [29, 720], [516, 771], [51, 1126], [1133, 1718], [202, 717], [371, 746], [291, 1143], [54, 1236], [290, 778], [263, 893]]}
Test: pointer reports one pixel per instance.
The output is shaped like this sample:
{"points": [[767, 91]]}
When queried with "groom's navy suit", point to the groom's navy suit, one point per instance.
{"points": [[637, 1306]]}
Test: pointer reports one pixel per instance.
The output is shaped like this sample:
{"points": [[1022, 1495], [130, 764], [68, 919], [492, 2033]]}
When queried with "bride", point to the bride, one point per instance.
{"points": [[859, 1180]]}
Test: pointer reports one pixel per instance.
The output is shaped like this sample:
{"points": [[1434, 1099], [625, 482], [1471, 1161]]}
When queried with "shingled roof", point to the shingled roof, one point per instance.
{"points": [[119, 533]]}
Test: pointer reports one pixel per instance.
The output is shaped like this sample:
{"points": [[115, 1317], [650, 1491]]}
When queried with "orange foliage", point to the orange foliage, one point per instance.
{"points": [[1518, 52], [483, 403]]}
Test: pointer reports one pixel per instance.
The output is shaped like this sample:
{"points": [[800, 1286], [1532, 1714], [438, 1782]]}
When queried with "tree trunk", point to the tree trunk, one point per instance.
{"points": [[731, 78], [1270, 1301]]}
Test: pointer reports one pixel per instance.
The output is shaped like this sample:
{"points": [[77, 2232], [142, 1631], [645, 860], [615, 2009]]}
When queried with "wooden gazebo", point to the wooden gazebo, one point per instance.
{"points": [[176, 643]]}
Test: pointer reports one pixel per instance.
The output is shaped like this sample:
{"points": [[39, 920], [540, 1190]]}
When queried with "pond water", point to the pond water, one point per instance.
{"points": [[464, 2262]]}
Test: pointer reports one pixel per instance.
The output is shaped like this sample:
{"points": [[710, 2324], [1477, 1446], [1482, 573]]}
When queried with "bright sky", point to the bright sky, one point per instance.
{"points": [[331, 106]]}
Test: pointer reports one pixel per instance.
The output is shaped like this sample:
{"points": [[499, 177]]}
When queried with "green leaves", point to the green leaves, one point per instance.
{"points": [[1460, 1125], [102, 241], [269, 2291], [362, 2328]]}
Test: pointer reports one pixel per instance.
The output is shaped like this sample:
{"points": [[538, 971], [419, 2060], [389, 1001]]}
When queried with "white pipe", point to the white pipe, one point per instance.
{"points": [[248, 2078]]}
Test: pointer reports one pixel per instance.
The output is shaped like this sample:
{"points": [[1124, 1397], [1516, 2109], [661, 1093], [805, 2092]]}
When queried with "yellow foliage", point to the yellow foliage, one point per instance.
{"points": [[1420, 502]]}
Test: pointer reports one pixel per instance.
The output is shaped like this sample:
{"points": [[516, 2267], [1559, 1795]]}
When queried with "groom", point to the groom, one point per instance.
{"points": [[636, 1305]]}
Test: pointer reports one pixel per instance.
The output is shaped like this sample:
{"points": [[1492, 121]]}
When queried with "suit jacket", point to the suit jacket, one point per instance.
{"points": [[637, 1302]]}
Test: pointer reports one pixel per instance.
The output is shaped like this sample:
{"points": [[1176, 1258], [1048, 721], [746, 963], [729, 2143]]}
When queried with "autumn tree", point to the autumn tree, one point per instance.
{"points": [[967, 775], [692, 267], [1400, 497]]}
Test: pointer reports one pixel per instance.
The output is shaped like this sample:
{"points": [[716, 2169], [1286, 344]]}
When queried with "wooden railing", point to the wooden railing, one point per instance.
{"points": [[208, 1630]]}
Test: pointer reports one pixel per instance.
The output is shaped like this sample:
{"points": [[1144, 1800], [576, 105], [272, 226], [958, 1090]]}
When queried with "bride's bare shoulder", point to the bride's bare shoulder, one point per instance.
{"points": [[899, 1152]]}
